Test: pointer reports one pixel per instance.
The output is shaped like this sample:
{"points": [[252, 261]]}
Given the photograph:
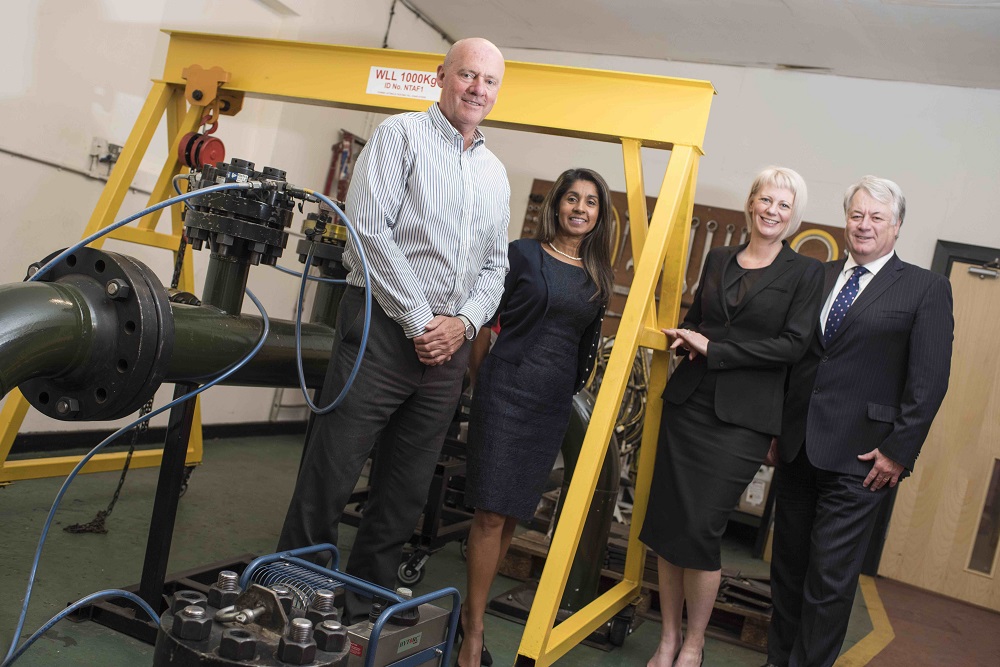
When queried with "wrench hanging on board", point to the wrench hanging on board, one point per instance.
{"points": [[710, 229], [687, 259], [730, 229]]}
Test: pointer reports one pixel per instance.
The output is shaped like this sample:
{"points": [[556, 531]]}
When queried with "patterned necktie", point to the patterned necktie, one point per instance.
{"points": [[843, 301]]}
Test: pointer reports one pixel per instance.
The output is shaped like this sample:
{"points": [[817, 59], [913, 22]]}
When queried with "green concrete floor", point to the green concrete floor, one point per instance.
{"points": [[234, 505]]}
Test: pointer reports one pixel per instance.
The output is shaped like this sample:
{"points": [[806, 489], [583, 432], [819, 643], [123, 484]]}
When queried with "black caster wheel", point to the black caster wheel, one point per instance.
{"points": [[463, 548], [409, 575], [618, 632]]}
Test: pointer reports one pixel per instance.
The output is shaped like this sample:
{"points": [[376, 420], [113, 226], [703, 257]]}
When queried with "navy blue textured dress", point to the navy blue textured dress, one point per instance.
{"points": [[520, 412]]}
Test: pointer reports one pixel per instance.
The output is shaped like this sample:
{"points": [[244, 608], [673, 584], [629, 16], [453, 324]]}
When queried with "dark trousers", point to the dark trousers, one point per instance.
{"points": [[822, 523], [396, 400]]}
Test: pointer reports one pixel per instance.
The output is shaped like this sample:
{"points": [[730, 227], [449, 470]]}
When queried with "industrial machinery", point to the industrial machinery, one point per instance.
{"points": [[201, 70], [282, 611]]}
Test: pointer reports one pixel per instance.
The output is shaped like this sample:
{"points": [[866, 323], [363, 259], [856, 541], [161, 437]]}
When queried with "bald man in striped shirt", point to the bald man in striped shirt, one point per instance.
{"points": [[432, 205]]}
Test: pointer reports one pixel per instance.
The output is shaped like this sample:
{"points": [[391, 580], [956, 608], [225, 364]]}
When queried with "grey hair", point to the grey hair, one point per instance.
{"points": [[881, 189], [781, 177]]}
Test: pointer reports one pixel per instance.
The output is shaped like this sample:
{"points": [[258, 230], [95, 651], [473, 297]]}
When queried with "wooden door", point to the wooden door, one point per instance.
{"points": [[943, 532]]}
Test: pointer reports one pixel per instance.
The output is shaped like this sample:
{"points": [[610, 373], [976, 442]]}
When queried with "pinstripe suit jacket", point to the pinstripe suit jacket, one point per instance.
{"points": [[880, 380]]}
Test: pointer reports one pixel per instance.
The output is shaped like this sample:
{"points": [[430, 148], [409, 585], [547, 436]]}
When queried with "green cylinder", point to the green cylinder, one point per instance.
{"points": [[207, 341], [47, 329], [225, 282], [583, 581]]}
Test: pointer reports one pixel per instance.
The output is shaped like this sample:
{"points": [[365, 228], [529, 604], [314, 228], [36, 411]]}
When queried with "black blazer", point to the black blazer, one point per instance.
{"points": [[882, 377], [523, 305], [751, 346]]}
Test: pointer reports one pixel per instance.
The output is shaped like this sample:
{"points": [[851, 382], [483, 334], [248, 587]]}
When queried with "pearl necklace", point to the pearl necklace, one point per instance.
{"points": [[566, 255]]}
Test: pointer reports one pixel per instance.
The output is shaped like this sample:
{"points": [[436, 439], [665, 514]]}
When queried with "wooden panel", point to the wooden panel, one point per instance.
{"points": [[938, 509]]}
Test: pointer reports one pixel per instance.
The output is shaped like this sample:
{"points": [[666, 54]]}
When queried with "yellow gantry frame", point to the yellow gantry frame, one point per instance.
{"points": [[635, 110], [163, 98]]}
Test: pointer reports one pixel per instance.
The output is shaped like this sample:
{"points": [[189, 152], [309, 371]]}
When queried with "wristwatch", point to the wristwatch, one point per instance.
{"points": [[470, 330]]}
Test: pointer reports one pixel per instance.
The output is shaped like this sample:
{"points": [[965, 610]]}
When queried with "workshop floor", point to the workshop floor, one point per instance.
{"points": [[235, 505]]}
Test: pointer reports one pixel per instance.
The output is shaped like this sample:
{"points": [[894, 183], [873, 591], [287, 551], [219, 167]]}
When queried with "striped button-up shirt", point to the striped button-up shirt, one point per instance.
{"points": [[433, 221]]}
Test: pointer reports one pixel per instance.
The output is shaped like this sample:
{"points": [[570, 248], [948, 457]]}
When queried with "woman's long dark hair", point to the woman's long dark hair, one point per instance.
{"points": [[595, 248]]}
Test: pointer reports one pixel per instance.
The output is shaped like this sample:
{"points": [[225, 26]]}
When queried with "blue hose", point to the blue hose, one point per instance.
{"points": [[318, 279], [298, 314], [124, 429], [135, 216]]}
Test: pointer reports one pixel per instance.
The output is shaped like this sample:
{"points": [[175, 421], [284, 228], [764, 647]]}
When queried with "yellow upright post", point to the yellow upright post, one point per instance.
{"points": [[162, 98]]}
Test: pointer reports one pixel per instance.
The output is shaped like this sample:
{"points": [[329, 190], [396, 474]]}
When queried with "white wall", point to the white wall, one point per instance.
{"points": [[79, 70]]}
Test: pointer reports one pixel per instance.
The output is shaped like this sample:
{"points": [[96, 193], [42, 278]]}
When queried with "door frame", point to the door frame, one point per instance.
{"points": [[946, 253]]}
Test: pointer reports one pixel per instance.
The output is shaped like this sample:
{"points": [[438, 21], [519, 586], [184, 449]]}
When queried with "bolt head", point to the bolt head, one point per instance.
{"points": [[318, 616], [184, 599], [197, 95], [192, 623], [296, 653], [237, 644], [67, 406], [219, 598], [117, 289], [330, 636]]}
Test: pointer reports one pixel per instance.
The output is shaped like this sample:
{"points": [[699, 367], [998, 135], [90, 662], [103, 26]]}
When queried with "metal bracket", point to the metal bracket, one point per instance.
{"points": [[203, 84]]}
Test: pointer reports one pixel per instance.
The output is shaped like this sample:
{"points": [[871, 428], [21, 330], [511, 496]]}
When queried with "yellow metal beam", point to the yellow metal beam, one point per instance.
{"points": [[127, 165], [660, 111], [540, 642], [54, 466]]}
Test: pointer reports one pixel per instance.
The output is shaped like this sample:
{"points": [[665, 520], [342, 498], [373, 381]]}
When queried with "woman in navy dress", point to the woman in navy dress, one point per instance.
{"points": [[754, 312], [550, 326]]}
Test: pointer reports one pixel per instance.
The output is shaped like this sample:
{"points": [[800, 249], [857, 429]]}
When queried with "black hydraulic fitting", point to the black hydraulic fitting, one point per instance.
{"points": [[244, 224]]}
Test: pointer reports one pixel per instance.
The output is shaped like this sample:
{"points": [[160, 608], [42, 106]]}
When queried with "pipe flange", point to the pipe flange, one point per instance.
{"points": [[128, 311]]}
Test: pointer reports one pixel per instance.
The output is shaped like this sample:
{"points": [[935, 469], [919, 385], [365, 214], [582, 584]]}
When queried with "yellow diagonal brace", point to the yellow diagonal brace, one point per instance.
{"points": [[540, 642], [658, 110], [128, 162], [164, 188], [670, 302]]}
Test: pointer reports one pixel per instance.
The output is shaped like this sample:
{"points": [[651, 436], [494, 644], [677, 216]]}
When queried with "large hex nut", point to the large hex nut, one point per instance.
{"points": [[219, 598], [237, 644], [330, 636], [285, 597], [296, 652], [192, 623], [186, 599], [317, 616]]}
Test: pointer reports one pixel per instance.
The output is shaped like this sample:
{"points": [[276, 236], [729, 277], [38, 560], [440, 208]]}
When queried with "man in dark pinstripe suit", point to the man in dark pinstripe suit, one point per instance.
{"points": [[857, 410]]}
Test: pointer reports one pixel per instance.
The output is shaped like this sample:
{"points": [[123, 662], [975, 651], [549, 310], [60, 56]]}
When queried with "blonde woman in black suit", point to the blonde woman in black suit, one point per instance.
{"points": [[753, 315]]}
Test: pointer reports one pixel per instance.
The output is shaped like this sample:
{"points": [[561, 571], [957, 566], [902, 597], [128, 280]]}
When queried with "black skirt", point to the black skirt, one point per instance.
{"points": [[703, 466]]}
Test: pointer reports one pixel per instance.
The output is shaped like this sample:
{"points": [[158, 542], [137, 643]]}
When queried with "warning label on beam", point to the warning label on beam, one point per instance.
{"points": [[403, 83]]}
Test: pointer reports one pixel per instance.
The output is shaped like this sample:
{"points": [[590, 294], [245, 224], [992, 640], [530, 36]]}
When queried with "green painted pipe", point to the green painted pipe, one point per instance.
{"points": [[226, 282], [584, 577], [207, 341], [46, 330], [51, 328]]}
